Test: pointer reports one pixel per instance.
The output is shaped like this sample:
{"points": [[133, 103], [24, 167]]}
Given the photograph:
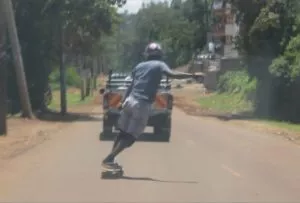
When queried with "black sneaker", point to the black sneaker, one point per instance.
{"points": [[111, 166]]}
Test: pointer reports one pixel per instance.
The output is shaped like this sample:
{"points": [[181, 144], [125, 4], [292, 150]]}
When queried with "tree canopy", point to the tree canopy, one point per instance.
{"points": [[269, 41], [179, 26], [94, 29], [83, 22]]}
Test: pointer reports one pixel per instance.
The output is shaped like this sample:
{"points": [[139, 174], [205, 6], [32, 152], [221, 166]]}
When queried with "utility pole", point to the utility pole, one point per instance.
{"points": [[206, 14], [95, 74], [18, 60], [3, 72], [120, 63], [206, 20], [63, 100], [3, 86]]}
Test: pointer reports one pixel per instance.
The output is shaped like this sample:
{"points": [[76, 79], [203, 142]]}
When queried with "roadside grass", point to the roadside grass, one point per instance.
{"points": [[54, 86], [225, 103], [235, 104], [73, 98], [292, 127]]}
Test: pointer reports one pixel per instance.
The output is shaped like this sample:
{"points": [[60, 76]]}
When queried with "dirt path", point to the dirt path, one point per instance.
{"points": [[24, 134]]}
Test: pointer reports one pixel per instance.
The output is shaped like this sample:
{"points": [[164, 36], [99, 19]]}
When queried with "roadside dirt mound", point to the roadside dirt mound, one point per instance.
{"points": [[191, 107], [24, 134], [186, 99], [98, 99], [183, 68]]}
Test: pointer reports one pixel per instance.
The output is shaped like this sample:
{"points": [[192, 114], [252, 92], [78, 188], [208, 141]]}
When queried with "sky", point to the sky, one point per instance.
{"points": [[134, 5]]}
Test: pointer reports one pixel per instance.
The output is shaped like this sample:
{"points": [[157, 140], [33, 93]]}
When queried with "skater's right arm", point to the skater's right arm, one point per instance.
{"points": [[174, 74]]}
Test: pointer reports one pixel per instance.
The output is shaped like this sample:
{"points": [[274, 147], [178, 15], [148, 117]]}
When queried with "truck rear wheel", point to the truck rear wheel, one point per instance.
{"points": [[107, 130], [163, 131]]}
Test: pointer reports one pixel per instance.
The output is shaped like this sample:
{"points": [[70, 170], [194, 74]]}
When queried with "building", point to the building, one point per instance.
{"points": [[224, 28]]}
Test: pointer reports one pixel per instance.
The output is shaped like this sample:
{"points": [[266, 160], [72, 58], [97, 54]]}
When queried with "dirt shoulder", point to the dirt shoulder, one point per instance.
{"points": [[24, 134], [186, 99]]}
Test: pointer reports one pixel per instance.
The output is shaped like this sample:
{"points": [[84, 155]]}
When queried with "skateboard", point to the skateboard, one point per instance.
{"points": [[108, 174]]}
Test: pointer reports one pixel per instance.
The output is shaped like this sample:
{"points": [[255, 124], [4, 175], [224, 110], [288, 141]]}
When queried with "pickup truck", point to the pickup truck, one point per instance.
{"points": [[160, 118]]}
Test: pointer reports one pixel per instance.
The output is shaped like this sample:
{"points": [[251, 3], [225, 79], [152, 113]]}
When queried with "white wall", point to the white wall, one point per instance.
{"points": [[231, 29]]}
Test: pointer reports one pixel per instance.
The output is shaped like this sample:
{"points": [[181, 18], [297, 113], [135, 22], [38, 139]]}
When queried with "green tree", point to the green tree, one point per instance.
{"points": [[179, 27], [269, 42], [84, 22]]}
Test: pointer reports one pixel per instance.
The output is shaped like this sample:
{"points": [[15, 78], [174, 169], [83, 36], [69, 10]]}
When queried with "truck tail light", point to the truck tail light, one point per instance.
{"points": [[170, 101], [161, 101]]}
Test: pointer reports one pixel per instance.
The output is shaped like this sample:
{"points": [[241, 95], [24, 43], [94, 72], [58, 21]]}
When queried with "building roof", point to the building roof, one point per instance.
{"points": [[218, 4], [221, 4]]}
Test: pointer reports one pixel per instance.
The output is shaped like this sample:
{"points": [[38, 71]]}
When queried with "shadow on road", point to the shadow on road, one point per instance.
{"points": [[69, 117], [145, 137], [193, 110], [156, 180], [230, 116], [241, 116], [249, 116]]}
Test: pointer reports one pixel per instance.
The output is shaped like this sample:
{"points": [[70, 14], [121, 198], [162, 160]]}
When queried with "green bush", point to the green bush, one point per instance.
{"points": [[237, 82], [72, 77]]}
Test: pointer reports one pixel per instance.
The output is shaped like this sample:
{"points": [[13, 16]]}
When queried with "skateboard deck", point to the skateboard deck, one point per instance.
{"points": [[108, 174]]}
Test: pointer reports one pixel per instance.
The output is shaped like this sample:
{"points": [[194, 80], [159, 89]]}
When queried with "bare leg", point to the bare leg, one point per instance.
{"points": [[122, 142]]}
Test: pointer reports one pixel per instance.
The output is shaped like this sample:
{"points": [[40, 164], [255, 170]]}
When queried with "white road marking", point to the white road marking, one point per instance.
{"points": [[190, 142], [231, 171]]}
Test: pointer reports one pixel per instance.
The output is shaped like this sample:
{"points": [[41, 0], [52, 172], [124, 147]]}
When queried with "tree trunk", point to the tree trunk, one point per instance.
{"points": [[88, 87], [3, 75], [62, 72], [82, 89], [95, 82], [3, 95]]}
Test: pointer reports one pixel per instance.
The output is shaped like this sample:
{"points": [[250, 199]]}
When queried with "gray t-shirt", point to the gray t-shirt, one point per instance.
{"points": [[146, 80]]}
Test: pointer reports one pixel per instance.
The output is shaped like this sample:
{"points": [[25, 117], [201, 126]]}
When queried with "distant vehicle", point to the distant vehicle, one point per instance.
{"points": [[160, 118], [208, 56]]}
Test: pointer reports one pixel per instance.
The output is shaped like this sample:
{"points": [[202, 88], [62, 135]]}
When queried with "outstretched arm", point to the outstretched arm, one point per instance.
{"points": [[175, 74]]}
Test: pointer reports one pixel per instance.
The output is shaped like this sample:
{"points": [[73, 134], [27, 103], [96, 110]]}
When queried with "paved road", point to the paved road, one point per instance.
{"points": [[205, 161]]}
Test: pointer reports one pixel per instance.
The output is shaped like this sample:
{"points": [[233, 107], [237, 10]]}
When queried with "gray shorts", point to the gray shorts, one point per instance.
{"points": [[134, 116]]}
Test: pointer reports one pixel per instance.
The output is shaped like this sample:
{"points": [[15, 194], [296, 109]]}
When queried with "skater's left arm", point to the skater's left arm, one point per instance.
{"points": [[174, 74]]}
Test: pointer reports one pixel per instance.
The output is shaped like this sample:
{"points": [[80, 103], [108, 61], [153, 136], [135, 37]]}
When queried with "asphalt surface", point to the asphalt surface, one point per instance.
{"points": [[205, 161]]}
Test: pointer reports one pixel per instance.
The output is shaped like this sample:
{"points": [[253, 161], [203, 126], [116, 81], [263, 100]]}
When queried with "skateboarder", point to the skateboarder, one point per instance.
{"points": [[136, 105]]}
